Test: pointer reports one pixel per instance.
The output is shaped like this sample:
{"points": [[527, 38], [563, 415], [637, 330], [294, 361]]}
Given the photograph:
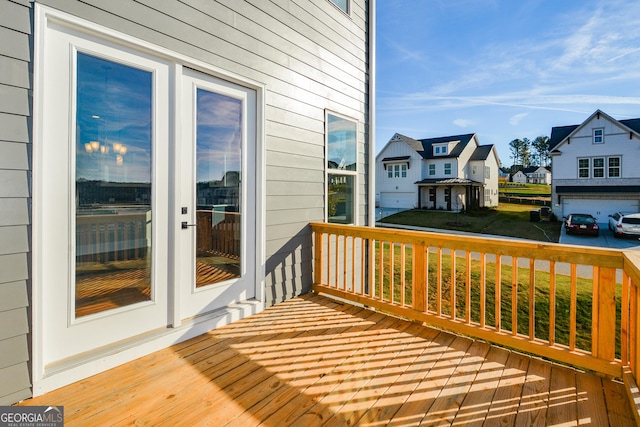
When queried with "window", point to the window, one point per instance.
{"points": [[447, 195], [487, 196], [443, 150], [439, 150], [447, 168], [474, 169], [342, 4], [403, 171], [396, 171], [598, 167], [614, 167], [390, 171], [432, 170], [583, 168], [432, 194], [487, 172], [341, 165], [598, 136]]}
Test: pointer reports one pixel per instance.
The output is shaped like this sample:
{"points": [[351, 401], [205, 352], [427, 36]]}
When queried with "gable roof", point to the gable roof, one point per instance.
{"points": [[427, 145], [561, 133], [532, 169], [482, 152]]}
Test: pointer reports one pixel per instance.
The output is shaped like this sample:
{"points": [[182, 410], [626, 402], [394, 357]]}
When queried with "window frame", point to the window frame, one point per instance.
{"points": [[598, 133], [330, 173], [618, 167], [432, 169], [598, 171], [447, 168], [586, 168], [347, 6]]}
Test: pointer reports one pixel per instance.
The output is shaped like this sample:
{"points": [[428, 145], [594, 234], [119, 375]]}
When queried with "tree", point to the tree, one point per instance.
{"points": [[516, 148], [525, 153], [541, 145]]}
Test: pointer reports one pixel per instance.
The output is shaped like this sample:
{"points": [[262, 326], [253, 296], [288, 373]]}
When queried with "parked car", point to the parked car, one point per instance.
{"points": [[624, 224], [581, 224]]}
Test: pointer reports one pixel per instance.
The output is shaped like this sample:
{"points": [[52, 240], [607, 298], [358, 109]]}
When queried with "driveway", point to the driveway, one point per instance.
{"points": [[604, 240]]}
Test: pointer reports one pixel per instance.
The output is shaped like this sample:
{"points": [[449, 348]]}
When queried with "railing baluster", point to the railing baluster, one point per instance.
{"points": [[345, 269], [372, 268], [483, 289], [532, 299], [439, 282], [624, 321], [552, 302], [392, 271], [453, 304], [514, 296], [498, 292], [381, 272], [572, 308], [403, 281], [606, 314], [337, 262], [468, 287]]}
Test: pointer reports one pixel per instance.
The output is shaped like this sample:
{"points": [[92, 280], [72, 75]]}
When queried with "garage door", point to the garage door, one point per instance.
{"points": [[398, 200], [599, 208]]}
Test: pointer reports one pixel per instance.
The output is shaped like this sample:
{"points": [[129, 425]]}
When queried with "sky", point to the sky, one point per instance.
{"points": [[503, 69]]}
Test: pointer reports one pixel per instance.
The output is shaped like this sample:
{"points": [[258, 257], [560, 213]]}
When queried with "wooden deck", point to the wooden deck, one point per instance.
{"points": [[313, 361]]}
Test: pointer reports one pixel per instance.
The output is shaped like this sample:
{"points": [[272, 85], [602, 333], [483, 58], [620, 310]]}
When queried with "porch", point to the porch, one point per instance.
{"points": [[316, 361]]}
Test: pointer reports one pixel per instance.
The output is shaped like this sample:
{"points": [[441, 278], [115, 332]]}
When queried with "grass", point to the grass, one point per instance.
{"points": [[529, 189], [541, 298], [509, 219]]}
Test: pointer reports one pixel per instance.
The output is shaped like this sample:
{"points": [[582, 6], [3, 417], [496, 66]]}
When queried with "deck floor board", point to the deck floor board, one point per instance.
{"points": [[314, 361]]}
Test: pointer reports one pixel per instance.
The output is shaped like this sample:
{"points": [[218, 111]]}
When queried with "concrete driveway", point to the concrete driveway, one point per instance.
{"points": [[604, 240]]}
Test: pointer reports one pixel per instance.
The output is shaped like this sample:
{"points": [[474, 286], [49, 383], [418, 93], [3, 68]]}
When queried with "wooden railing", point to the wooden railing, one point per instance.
{"points": [[577, 305], [106, 238], [218, 233]]}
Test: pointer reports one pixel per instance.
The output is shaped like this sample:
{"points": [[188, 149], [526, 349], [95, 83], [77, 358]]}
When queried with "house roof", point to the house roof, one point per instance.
{"points": [[482, 152], [448, 181], [560, 133], [532, 169], [396, 159], [427, 146]]}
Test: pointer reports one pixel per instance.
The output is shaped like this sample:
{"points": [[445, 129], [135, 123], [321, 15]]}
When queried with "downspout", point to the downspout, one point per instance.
{"points": [[371, 208]]}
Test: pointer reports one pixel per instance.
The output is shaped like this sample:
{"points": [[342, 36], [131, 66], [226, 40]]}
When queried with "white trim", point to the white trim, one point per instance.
{"points": [[371, 215], [138, 346]]}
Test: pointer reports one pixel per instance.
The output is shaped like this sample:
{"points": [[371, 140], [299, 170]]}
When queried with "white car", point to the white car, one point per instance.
{"points": [[622, 224]]}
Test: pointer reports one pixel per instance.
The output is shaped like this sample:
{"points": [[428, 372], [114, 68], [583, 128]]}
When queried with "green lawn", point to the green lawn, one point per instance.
{"points": [[509, 219], [529, 189]]}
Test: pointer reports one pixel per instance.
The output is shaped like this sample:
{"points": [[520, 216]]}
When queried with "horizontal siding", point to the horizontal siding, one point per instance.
{"points": [[15, 191]]}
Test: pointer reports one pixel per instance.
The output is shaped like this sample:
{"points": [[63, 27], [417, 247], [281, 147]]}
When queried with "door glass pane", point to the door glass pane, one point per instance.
{"points": [[113, 185], [218, 179]]}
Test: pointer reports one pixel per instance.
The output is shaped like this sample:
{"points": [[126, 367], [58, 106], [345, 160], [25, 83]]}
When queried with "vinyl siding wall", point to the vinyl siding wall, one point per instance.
{"points": [[15, 109], [310, 56]]}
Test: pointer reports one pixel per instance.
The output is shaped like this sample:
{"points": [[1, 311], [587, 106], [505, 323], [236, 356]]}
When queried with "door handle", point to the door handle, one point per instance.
{"points": [[184, 225]]}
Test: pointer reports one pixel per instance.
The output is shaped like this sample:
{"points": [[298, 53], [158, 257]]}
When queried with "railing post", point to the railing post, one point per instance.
{"points": [[317, 267], [419, 285], [606, 314]]}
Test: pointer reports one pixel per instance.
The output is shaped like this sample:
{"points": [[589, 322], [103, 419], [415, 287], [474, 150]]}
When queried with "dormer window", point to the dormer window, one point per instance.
{"points": [[598, 136], [440, 150]]}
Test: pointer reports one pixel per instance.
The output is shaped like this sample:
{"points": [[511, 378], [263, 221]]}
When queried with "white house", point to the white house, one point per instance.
{"points": [[448, 173], [532, 175], [595, 168]]}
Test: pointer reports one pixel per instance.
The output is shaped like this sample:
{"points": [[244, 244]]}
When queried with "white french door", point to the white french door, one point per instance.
{"points": [[144, 198], [217, 194]]}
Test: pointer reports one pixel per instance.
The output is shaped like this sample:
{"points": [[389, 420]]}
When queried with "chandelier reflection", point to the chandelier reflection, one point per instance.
{"points": [[118, 149]]}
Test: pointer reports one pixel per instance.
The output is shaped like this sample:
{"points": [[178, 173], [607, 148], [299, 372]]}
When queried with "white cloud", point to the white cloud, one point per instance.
{"points": [[463, 123], [515, 120]]}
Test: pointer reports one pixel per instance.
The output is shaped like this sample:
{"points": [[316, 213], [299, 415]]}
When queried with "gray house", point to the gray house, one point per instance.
{"points": [[159, 165]]}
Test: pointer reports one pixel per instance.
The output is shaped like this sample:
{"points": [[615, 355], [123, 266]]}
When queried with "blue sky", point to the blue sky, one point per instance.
{"points": [[503, 69]]}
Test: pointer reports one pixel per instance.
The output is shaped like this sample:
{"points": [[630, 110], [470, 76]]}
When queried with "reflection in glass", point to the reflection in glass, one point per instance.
{"points": [[340, 198], [341, 140], [218, 179], [113, 185]]}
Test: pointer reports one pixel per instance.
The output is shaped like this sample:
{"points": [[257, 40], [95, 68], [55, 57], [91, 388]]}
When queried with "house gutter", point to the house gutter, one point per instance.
{"points": [[371, 207]]}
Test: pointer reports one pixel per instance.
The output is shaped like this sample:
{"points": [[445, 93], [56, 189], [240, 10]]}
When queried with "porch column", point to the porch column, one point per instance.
{"points": [[419, 197], [450, 197]]}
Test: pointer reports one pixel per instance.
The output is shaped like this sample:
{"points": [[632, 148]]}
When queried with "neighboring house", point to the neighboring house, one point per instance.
{"points": [[595, 167], [533, 175], [504, 175], [449, 173], [159, 165], [519, 177]]}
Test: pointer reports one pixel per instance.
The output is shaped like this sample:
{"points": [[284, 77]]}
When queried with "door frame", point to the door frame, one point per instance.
{"points": [[47, 378]]}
